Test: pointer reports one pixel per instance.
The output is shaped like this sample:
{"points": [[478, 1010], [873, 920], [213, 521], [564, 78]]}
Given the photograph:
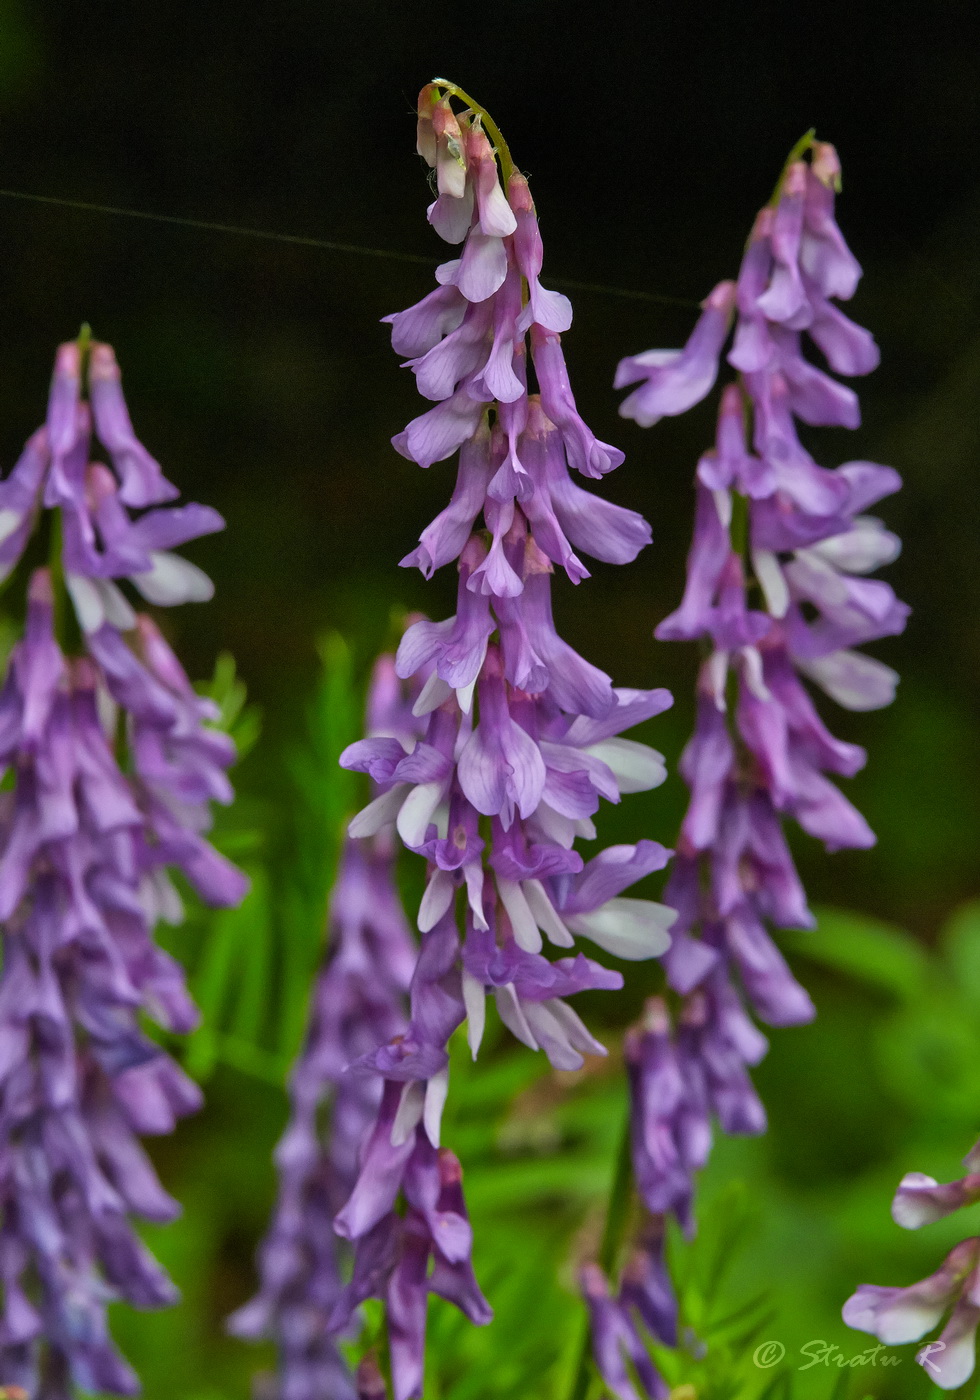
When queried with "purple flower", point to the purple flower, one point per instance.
{"points": [[730, 464], [920, 1200], [519, 740], [404, 1259], [646, 1286], [709, 554], [101, 540], [905, 1314], [785, 300], [501, 768], [675, 380], [824, 255], [82, 880], [776, 591], [85, 846], [359, 1005], [615, 1342], [897, 1315], [458, 645], [670, 1133]]}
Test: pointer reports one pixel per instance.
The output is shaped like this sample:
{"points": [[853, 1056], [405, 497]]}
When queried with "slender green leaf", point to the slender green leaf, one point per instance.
{"points": [[867, 949]]}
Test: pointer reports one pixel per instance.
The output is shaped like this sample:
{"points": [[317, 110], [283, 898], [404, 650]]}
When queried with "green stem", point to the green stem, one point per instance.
{"points": [[617, 1213], [582, 1371], [84, 346], [619, 1200], [57, 571], [507, 165], [56, 545], [800, 149], [740, 523]]}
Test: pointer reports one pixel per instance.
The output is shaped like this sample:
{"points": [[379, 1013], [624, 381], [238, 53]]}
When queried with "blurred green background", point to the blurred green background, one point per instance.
{"points": [[258, 373]]}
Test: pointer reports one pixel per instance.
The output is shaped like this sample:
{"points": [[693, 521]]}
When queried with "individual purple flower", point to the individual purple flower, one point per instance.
{"points": [[899, 1315], [403, 1259], [616, 1342], [645, 1287], [675, 380], [921, 1200], [777, 591]]}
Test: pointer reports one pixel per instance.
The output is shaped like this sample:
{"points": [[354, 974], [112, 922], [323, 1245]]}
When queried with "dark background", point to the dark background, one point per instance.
{"points": [[260, 376], [258, 373]]}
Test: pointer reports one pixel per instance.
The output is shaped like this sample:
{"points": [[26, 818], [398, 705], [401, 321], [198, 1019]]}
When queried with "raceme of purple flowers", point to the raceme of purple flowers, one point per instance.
{"points": [[359, 1002], [111, 766], [513, 741], [777, 593]]}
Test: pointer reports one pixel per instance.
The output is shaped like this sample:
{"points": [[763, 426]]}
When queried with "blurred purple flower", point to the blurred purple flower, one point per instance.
{"points": [[616, 1342], [358, 1005], [84, 851]]}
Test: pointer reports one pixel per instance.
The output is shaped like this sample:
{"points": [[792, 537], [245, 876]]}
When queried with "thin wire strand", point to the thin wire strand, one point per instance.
{"points": [[325, 244]]}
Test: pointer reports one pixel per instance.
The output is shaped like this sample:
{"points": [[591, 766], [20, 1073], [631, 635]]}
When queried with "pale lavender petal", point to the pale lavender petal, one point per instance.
{"points": [[824, 256], [414, 332], [436, 435], [483, 266], [675, 380], [444, 539], [143, 482]]}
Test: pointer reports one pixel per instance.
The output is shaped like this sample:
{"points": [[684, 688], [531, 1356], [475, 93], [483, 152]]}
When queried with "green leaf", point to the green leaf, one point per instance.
{"points": [[230, 980], [229, 693], [960, 942], [868, 949], [779, 1388], [251, 1059], [255, 962], [930, 1057]]}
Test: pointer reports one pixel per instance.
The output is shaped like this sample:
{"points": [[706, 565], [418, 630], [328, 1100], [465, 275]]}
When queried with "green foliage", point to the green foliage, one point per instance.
{"points": [[243, 723], [251, 968], [871, 951], [887, 1079], [927, 1044], [324, 798]]}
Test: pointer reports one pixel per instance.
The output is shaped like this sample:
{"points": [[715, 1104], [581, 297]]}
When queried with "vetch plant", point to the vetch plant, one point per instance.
{"points": [[110, 766], [497, 792], [776, 594], [518, 737], [359, 1003]]}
